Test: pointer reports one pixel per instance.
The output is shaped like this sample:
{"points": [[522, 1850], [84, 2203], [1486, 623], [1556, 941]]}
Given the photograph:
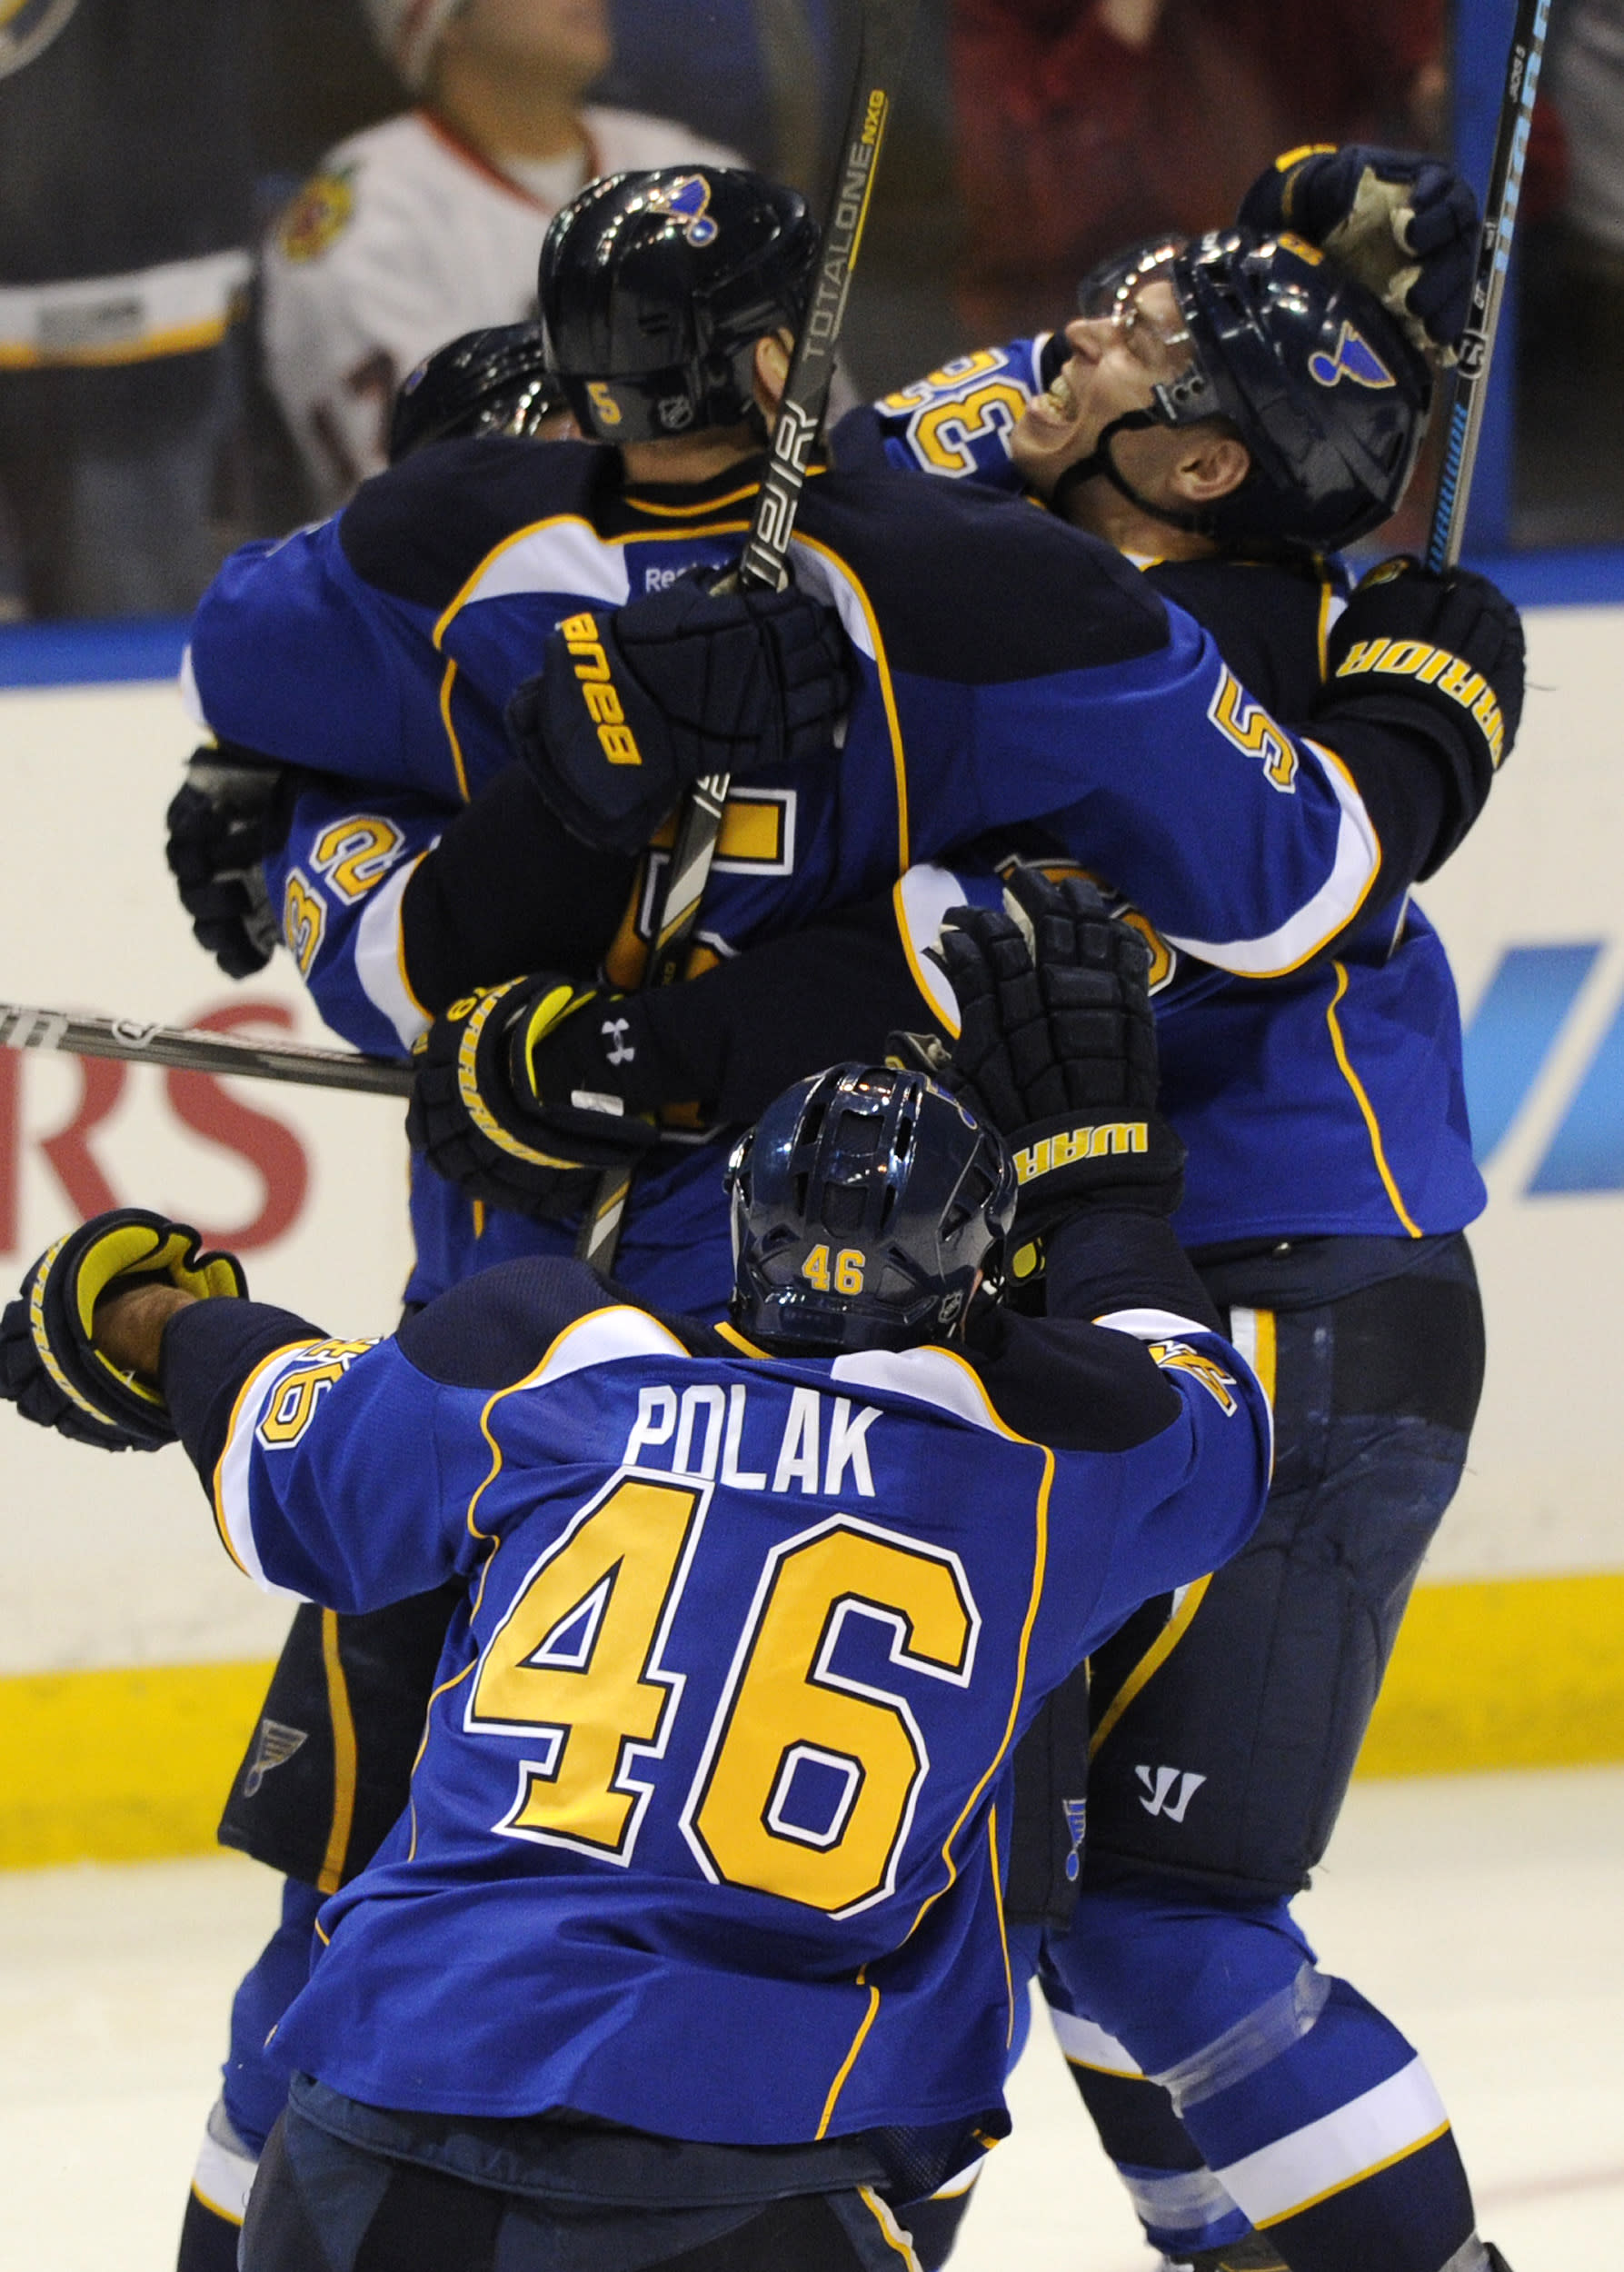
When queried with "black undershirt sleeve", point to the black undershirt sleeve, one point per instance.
{"points": [[1067, 1383], [505, 891], [732, 1040]]}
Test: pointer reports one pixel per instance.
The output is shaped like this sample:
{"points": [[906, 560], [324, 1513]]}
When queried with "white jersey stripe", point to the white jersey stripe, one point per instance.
{"points": [[1086, 2045], [1333, 905], [1322, 2158], [232, 1500], [380, 964]]}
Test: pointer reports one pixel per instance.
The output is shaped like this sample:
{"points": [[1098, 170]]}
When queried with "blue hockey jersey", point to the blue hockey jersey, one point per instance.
{"points": [[1331, 1100], [1011, 672], [704, 1832]]}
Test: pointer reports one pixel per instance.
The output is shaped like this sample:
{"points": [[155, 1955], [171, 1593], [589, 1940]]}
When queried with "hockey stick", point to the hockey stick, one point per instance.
{"points": [[764, 563], [1470, 395], [22, 1027]]}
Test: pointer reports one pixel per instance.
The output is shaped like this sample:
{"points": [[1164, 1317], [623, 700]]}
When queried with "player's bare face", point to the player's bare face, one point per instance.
{"points": [[571, 36], [1115, 362]]}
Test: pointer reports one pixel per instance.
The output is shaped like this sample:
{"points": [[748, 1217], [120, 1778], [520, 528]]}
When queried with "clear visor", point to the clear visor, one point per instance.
{"points": [[1116, 291]]}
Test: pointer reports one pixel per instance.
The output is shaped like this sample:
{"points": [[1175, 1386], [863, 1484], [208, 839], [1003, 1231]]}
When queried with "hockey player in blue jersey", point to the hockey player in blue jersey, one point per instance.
{"points": [[1332, 1179], [688, 1950], [1003, 669], [339, 912]]}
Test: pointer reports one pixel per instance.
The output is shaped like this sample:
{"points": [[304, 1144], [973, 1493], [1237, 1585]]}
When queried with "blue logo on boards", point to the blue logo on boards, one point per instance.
{"points": [[1354, 358], [688, 198], [1509, 1046]]}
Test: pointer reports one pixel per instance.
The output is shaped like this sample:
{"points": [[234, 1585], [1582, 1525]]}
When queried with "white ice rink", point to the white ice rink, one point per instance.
{"points": [[1483, 1913]]}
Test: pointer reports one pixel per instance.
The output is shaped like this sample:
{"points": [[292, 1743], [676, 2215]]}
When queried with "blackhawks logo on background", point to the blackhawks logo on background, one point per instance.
{"points": [[322, 211], [28, 25]]}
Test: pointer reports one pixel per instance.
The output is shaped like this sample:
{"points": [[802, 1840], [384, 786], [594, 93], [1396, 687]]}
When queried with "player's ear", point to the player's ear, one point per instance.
{"points": [[772, 370], [1213, 465]]}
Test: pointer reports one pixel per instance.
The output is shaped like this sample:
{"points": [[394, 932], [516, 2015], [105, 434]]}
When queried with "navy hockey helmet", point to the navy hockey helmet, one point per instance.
{"points": [[1318, 380], [491, 381], [655, 287], [864, 1201]]}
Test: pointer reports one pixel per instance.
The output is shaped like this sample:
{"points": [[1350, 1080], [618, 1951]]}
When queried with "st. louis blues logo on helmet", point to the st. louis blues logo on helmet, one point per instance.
{"points": [[689, 196], [1353, 357]]}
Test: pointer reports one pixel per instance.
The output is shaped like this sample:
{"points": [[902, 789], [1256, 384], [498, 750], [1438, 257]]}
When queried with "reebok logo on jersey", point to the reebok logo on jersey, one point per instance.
{"points": [[1352, 357], [1160, 1783], [615, 737], [1071, 1145], [1433, 666]]}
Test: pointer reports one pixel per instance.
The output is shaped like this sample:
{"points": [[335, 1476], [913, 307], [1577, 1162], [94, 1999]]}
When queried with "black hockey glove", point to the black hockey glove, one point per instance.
{"points": [[1057, 1048], [481, 1118], [1441, 656], [221, 823], [1403, 225], [634, 705], [50, 1367]]}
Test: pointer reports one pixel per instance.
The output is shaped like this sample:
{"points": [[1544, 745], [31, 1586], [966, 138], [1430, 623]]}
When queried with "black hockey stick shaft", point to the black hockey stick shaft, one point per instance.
{"points": [[764, 562], [1470, 398], [24, 1027]]}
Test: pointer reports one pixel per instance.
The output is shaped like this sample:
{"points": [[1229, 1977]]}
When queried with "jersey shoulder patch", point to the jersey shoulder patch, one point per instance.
{"points": [[317, 214]]}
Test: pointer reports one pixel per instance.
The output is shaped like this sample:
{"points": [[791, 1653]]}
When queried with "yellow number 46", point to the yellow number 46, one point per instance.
{"points": [[808, 1777], [850, 1264]]}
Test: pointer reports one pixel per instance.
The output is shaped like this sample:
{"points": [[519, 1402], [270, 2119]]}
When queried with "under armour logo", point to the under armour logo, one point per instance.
{"points": [[1160, 1783], [616, 1030], [275, 1745]]}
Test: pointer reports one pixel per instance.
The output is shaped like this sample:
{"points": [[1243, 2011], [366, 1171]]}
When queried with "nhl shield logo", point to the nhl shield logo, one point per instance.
{"points": [[28, 25], [1353, 357], [688, 198]]}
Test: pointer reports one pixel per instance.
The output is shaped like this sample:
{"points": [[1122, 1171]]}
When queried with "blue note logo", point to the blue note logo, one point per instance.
{"points": [[688, 198], [1353, 357]]}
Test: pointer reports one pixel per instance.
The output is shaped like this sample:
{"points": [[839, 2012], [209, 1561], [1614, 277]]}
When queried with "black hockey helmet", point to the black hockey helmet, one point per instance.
{"points": [[864, 1201], [1320, 383], [489, 382], [655, 287]]}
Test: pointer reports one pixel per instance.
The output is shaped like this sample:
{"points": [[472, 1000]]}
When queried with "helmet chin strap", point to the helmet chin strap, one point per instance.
{"points": [[1101, 461]]}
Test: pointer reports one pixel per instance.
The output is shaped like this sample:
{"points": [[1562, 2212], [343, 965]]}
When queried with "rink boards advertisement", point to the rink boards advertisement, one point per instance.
{"points": [[133, 1654]]}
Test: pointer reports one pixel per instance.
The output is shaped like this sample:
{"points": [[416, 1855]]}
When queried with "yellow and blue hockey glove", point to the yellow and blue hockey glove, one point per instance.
{"points": [[1057, 1048], [50, 1366], [635, 703], [1441, 658], [515, 1100]]}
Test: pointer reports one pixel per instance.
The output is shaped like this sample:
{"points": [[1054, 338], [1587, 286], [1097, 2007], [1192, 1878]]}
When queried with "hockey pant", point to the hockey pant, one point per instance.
{"points": [[324, 2204], [1224, 1728]]}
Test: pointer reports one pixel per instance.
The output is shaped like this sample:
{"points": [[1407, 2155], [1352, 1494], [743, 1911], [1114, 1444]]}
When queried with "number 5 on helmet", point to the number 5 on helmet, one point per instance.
{"points": [[50, 1366]]}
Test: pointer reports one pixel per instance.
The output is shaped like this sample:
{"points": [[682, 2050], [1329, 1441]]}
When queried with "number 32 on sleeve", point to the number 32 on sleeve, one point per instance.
{"points": [[577, 1663]]}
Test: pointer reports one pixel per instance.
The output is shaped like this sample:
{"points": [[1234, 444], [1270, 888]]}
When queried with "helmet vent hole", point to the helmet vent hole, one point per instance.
{"points": [[844, 1207]]}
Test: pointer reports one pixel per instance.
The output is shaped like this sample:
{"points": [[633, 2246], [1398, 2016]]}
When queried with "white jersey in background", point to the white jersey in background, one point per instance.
{"points": [[405, 238]]}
